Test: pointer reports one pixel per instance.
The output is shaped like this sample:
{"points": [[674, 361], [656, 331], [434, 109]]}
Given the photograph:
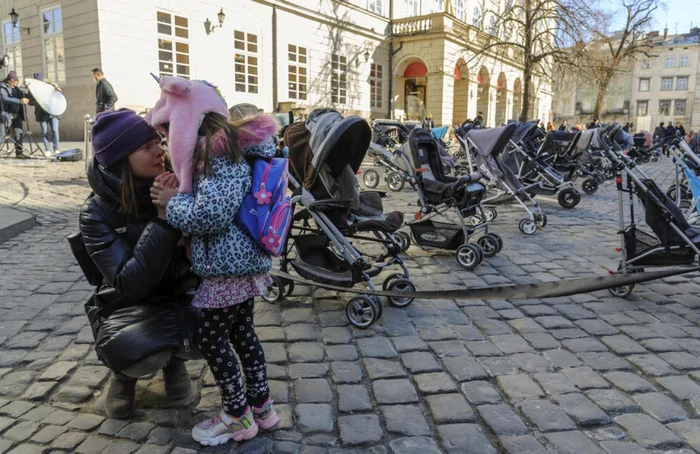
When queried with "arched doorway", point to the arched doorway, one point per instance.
{"points": [[482, 97], [460, 97], [501, 99], [517, 99], [415, 88]]}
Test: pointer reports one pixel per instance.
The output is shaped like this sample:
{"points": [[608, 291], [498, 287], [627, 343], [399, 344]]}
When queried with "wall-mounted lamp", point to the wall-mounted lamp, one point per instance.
{"points": [[209, 28], [14, 17], [366, 56]]}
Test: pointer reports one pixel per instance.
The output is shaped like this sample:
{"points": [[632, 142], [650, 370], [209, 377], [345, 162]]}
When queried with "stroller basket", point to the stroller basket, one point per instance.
{"points": [[638, 242], [315, 261], [437, 234]]}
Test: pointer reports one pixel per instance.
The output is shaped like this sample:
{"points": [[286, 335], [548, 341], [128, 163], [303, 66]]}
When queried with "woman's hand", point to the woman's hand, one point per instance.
{"points": [[160, 196], [168, 179]]}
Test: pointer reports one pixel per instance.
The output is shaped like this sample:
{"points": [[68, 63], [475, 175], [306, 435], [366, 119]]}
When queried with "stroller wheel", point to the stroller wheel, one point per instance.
{"points": [[491, 214], [569, 198], [378, 306], [499, 241], [390, 279], [589, 185], [404, 286], [684, 206], [469, 256], [488, 244], [395, 181], [274, 292], [371, 178], [527, 227], [404, 240], [541, 220], [361, 312], [622, 291]]}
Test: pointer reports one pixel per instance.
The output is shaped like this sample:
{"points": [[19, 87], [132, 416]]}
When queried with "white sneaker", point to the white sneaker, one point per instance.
{"points": [[221, 428]]}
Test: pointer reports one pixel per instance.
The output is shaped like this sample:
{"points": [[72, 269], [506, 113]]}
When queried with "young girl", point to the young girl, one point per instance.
{"points": [[234, 269]]}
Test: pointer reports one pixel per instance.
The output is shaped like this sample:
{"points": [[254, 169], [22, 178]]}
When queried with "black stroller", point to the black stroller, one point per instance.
{"points": [[325, 153], [559, 150], [485, 147], [439, 193], [673, 241], [521, 155]]}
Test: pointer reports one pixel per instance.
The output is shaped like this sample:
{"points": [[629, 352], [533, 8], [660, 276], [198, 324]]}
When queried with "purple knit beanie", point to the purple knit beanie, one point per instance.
{"points": [[12, 75], [118, 133]]}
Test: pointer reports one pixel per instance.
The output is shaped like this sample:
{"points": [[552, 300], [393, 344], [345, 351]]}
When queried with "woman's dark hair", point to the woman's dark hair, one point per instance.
{"points": [[126, 199], [212, 125]]}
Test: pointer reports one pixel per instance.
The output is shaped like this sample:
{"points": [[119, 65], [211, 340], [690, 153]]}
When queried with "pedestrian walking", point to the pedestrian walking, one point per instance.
{"points": [[105, 97], [194, 118]]}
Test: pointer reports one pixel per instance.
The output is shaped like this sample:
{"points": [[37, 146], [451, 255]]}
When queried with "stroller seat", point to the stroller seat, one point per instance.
{"points": [[387, 224]]}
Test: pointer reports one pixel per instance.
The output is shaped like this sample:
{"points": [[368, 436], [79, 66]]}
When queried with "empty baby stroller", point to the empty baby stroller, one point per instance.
{"points": [[673, 241], [385, 155], [559, 150], [521, 155], [325, 153], [438, 194], [485, 147]]}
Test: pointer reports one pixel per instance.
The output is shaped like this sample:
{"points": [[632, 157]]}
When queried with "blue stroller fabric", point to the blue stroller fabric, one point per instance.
{"points": [[693, 183]]}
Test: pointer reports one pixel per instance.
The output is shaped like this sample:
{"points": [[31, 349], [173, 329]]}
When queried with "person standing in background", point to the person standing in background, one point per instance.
{"points": [[45, 119], [105, 97], [12, 112]]}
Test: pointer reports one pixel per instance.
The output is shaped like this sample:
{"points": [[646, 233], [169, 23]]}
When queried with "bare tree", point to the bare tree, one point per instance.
{"points": [[612, 52], [536, 34]]}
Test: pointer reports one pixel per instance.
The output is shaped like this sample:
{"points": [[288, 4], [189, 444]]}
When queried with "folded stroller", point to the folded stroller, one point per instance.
{"points": [[439, 193], [485, 147], [325, 153], [521, 155], [672, 241], [559, 150]]}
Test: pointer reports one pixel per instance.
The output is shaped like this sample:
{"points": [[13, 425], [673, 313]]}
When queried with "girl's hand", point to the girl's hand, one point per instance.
{"points": [[168, 179], [160, 196]]}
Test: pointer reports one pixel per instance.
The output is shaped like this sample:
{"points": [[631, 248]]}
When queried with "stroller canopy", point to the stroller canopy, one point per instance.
{"points": [[326, 142], [524, 130], [491, 141], [588, 139]]}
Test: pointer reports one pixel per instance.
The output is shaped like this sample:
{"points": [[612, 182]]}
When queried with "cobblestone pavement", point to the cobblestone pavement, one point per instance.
{"points": [[583, 374]]}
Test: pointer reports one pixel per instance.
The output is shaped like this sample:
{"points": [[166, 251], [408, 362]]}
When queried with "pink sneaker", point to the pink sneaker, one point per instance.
{"points": [[265, 416], [222, 427]]}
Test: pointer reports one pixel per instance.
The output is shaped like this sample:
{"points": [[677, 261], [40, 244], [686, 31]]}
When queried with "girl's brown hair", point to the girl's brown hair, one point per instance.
{"points": [[212, 125]]}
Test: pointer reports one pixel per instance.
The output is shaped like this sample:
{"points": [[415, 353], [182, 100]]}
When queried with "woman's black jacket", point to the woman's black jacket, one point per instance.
{"points": [[142, 304]]}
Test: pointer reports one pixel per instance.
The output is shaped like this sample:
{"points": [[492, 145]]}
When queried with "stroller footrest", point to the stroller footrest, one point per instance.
{"points": [[321, 275]]}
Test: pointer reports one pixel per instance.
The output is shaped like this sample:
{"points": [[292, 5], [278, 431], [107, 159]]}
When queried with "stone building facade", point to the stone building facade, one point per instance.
{"points": [[377, 58]]}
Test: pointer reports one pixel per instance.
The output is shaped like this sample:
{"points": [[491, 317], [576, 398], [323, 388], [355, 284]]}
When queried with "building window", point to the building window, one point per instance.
{"points": [[411, 7], [173, 48], [297, 65], [670, 62], [667, 83], [644, 84], [375, 6], [642, 108], [476, 20], [376, 76], [12, 46], [664, 107], [679, 107], [339, 79], [436, 6], [52, 39], [683, 61], [493, 26], [246, 62], [682, 83]]}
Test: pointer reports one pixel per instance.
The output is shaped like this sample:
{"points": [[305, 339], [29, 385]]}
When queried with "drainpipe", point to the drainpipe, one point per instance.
{"points": [[391, 59], [275, 104]]}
